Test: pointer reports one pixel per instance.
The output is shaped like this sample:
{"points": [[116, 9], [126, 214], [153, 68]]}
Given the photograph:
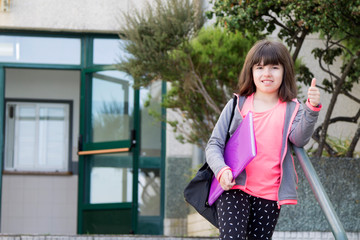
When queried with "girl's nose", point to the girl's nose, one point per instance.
{"points": [[267, 70]]}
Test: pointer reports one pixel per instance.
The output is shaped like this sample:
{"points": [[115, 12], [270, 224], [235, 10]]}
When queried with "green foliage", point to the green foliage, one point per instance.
{"points": [[210, 64], [154, 33], [337, 20], [303, 74], [340, 146]]}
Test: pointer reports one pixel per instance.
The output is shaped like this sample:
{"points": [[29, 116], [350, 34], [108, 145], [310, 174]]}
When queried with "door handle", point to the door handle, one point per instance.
{"points": [[133, 138], [103, 151], [80, 143]]}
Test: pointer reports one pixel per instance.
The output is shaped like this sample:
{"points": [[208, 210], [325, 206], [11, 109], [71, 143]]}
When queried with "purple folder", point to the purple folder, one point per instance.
{"points": [[238, 153]]}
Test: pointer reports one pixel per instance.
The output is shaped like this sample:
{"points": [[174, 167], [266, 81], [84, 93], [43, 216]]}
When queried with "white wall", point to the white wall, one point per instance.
{"points": [[41, 204], [173, 147], [67, 15]]}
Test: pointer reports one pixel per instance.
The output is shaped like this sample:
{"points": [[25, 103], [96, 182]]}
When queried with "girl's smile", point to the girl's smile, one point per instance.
{"points": [[267, 81]]}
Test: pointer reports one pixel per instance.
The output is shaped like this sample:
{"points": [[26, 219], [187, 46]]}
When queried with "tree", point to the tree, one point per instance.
{"points": [[166, 43], [337, 22]]}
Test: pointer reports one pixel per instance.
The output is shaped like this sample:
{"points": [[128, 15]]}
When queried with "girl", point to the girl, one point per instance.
{"points": [[250, 205]]}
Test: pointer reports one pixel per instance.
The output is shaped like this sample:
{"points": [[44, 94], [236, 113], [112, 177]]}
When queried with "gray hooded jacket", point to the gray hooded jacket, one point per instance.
{"points": [[298, 128]]}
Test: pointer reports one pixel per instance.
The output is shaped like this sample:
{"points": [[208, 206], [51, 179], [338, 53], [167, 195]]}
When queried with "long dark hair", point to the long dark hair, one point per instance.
{"points": [[270, 53]]}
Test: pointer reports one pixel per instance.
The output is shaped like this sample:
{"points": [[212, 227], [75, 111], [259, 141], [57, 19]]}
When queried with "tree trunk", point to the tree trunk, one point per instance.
{"points": [[334, 97], [299, 44], [351, 149], [328, 148]]}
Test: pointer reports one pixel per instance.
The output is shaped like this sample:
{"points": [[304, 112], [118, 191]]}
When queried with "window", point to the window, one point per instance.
{"points": [[37, 136], [149, 192], [109, 51], [112, 106], [150, 126], [111, 178], [42, 50]]}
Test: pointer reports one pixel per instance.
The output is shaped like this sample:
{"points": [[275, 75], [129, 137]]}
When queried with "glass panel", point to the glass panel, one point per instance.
{"points": [[37, 136], [150, 125], [149, 192], [25, 137], [46, 50], [108, 51], [53, 137], [110, 178], [112, 106]]}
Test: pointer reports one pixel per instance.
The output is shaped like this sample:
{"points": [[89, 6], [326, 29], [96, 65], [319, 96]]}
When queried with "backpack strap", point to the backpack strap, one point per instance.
{"points": [[231, 118]]}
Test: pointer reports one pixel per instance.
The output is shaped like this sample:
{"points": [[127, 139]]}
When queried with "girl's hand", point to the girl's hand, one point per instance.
{"points": [[226, 180], [314, 94]]}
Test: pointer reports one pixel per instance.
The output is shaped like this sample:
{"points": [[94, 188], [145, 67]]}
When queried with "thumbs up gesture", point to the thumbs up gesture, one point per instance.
{"points": [[314, 94]]}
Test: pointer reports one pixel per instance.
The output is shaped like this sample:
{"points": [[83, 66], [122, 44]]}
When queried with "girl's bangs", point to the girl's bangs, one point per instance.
{"points": [[267, 54]]}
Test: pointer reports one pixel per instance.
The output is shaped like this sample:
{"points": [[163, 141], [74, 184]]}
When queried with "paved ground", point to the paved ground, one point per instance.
{"points": [[277, 236]]}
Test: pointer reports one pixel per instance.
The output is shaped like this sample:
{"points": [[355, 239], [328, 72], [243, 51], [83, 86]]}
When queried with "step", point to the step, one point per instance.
{"points": [[276, 236]]}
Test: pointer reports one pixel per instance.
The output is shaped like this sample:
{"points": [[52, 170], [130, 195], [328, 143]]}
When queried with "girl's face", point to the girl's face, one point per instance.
{"points": [[267, 78]]}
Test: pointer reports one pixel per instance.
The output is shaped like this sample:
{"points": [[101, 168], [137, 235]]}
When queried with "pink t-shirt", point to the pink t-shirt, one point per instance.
{"points": [[263, 172]]}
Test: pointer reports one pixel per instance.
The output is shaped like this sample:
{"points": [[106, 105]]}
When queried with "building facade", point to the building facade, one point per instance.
{"points": [[80, 152]]}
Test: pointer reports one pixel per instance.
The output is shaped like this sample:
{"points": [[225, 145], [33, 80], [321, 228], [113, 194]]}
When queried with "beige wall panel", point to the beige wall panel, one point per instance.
{"points": [[42, 204]]}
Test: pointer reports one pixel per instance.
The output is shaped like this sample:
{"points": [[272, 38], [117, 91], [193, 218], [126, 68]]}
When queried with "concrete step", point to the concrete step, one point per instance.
{"points": [[96, 237], [276, 236]]}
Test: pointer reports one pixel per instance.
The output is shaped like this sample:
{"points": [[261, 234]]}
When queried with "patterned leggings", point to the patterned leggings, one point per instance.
{"points": [[242, 216]]}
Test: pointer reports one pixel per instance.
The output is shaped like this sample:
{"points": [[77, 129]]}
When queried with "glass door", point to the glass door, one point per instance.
{"points": [[108, 155]]}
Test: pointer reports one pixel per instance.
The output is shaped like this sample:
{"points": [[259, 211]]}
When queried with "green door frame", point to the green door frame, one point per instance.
{"points": [[2, 100], [88, 67], [86, 62], [84, 129]]}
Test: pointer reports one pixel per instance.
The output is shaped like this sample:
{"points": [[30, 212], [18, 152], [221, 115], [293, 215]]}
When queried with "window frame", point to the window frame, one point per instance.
{"points": [[69, 170], [17, 59]]}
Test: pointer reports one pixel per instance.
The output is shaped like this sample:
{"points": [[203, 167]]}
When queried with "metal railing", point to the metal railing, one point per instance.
{"points": [[320, 194]]}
